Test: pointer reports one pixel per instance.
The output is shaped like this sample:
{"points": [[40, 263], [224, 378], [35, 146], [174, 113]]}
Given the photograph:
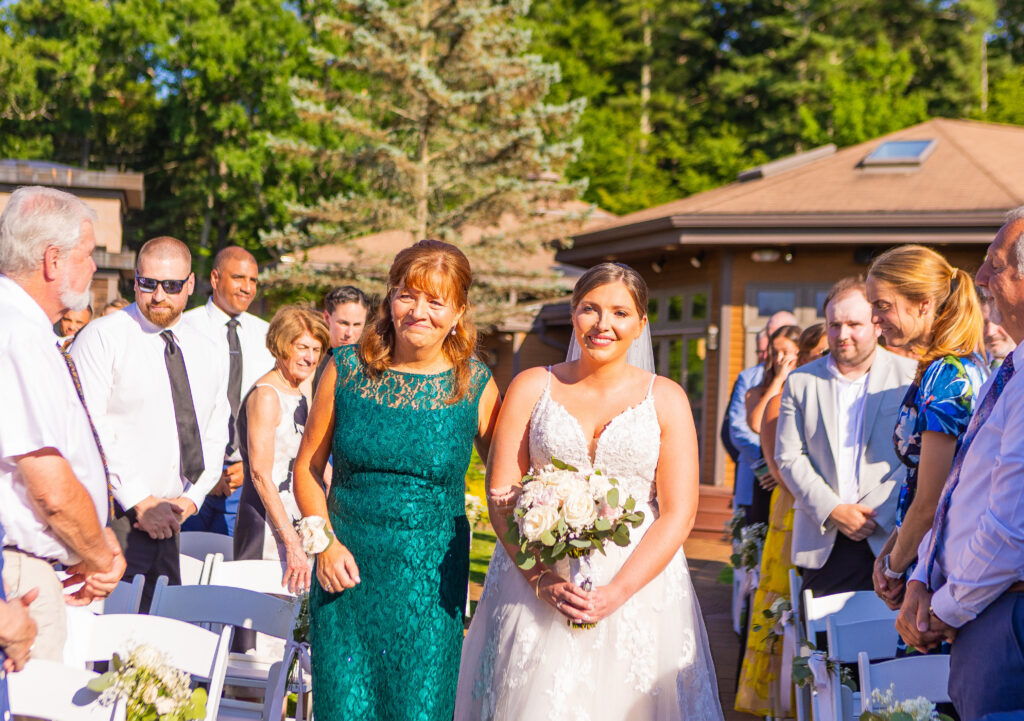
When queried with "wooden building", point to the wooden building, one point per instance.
{"points": [[720, 262], [110, 193]]}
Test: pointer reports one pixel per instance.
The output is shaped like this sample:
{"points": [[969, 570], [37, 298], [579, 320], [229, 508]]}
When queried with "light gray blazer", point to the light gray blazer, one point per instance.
{"points": [[807, 433]]}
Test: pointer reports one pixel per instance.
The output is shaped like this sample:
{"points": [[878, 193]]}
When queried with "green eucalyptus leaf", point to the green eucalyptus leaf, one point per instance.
{"points": [[613, 497], [602, 524], [630, 503], [598, 544], [547, 538], [561, 465], [100, 683], [579, 543]]}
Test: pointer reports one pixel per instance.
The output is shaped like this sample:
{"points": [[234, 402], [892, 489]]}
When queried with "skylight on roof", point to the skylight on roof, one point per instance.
{"points": [[900, 152]]}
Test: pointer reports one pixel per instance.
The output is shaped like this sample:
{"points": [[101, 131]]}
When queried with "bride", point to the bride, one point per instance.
{"points": [[647, 658]]}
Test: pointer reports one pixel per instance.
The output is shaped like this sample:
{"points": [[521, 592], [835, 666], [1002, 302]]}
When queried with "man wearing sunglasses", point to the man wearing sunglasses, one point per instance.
{"points": [[241, 338], [158, 391]]}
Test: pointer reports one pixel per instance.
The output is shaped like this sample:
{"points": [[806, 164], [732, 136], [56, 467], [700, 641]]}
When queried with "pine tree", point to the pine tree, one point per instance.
{"points": [[442, 126]]}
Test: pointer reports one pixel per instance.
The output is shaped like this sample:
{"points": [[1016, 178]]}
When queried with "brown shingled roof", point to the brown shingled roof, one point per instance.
{"points": [[975, 166]]}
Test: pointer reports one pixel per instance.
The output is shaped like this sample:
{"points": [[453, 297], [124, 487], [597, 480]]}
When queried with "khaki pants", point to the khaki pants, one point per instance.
{"points": [[22, 573]]}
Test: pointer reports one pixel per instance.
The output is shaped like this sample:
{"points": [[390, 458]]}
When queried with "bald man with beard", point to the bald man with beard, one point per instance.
{"points": [[241, 338], [158, 392]]}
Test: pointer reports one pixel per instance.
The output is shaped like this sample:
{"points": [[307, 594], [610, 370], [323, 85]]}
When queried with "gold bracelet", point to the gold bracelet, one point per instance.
{"points": [[536, 583]]}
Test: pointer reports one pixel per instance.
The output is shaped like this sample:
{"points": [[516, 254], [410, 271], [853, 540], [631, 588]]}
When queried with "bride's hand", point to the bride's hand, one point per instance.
{"points": [[568, 599], [336, 568], [604, 601]]}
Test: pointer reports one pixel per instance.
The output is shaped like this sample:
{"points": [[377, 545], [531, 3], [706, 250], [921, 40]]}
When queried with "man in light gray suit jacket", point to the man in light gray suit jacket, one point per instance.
{"points": [[835, 449]]}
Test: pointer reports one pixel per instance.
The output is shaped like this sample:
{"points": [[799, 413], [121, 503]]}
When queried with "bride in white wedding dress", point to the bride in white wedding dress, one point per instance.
{"points": [[647, 658]]}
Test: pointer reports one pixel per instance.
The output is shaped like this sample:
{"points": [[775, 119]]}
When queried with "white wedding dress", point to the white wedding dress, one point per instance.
{"points": [[648, 661]]}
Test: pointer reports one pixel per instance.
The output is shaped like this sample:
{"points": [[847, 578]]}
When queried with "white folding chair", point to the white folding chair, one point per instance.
{"points": [[51, 690], [847, 642], [240, 608], [126, 598], [237, 607], [833, 701], [200, 653], [793, 647], [260, 576], [198, 544], [912, 676], [853, 605], [195, 572]]}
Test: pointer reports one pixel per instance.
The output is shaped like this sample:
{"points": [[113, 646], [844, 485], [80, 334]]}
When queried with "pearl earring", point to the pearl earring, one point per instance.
{"points": [[453, 332]]}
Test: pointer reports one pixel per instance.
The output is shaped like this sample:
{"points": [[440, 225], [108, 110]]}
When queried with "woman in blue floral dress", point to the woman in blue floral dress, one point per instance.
{"points": [[930, 310]]}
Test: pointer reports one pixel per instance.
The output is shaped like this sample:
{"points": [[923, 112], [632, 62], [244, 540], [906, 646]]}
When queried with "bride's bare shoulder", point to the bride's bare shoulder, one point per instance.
{"points": [[528, 385], [668, 394]]}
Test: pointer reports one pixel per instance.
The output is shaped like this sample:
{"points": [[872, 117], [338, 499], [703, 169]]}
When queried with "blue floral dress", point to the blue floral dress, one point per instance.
{"points": [[942, 402]]}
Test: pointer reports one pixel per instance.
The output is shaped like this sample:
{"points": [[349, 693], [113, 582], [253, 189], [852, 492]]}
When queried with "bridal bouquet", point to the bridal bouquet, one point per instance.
{"points": [[563, 512], [150, 688]]}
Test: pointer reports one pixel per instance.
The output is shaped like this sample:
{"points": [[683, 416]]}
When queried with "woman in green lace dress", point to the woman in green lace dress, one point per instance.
{"points": [[400, 413]]}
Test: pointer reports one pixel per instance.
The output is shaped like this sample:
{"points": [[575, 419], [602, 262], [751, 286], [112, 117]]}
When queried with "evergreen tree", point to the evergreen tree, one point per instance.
{"points": [[448, 129]]}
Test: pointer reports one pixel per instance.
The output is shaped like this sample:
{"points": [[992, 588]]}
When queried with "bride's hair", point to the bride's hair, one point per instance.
{"points": [[605, 273], [438, 268]]}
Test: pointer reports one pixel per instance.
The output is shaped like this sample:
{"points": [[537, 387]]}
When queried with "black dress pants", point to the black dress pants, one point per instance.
{"points": [[149, 556]]}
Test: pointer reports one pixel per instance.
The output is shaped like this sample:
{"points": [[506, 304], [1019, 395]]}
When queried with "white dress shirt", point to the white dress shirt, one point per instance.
{"points": [[982, 549], [257, 360], [850, 397], [120, 358], [40, 409]]}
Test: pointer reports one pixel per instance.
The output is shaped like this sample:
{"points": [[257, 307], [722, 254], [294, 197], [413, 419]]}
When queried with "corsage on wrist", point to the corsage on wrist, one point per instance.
{"points": [[314, 535]]}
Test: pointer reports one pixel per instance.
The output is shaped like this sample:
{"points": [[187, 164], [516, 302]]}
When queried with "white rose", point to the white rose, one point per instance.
{"points": [[164, 705], [599, 486], [579, 510], [538, 520]]}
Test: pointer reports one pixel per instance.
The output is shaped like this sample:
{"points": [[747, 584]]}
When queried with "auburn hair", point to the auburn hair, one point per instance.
{"points": [[920, 274], [442, 270]]}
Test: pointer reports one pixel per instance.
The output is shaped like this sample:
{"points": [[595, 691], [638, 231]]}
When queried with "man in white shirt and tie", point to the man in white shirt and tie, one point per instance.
{"points": [[968, 587], [53, 486], [158, 393], [835, 449], [242, 339]]}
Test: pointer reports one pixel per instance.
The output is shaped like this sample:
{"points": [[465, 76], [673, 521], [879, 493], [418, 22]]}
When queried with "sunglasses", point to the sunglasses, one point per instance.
{"points": [[171, 287]]}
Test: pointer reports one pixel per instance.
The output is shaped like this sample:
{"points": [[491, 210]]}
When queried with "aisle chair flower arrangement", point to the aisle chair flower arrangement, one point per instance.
{"points": [[151, 689], [563, 512], [885, 707]]}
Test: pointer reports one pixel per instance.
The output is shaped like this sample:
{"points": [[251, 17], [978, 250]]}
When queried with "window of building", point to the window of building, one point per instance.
{"points": [[804, 300], [900, 152]]}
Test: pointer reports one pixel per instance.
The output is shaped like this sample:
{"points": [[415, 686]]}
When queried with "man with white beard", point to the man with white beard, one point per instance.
{"points": [[53, 484]]}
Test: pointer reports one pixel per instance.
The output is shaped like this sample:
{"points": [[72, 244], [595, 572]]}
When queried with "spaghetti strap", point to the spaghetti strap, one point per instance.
{"points": [[650, 388], [547, 386]]}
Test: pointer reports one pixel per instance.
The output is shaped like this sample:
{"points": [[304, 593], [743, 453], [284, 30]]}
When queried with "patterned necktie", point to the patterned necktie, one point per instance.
{"points": [[234, 381], [190, 446], [73, 370], [977, 420]]}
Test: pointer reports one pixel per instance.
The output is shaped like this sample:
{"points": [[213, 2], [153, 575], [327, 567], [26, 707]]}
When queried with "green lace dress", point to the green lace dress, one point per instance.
{"points": [[389, 648]]}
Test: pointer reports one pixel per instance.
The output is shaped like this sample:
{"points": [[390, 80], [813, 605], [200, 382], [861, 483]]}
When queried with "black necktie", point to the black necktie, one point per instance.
{"points": [[234, 381], [190, 447]]}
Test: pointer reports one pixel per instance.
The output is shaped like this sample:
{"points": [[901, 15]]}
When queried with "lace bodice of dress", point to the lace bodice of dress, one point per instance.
{"points": [[627, 448]]}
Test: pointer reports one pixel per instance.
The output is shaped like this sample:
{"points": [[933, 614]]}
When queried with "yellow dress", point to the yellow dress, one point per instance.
{"points": [[758, 691]]}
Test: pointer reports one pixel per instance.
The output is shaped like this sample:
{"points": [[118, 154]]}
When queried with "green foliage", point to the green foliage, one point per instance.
{"points": [[448, 128], [281, 125]]}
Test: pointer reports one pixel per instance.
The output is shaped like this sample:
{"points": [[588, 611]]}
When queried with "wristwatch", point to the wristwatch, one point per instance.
{"points": [[889, 573]]}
